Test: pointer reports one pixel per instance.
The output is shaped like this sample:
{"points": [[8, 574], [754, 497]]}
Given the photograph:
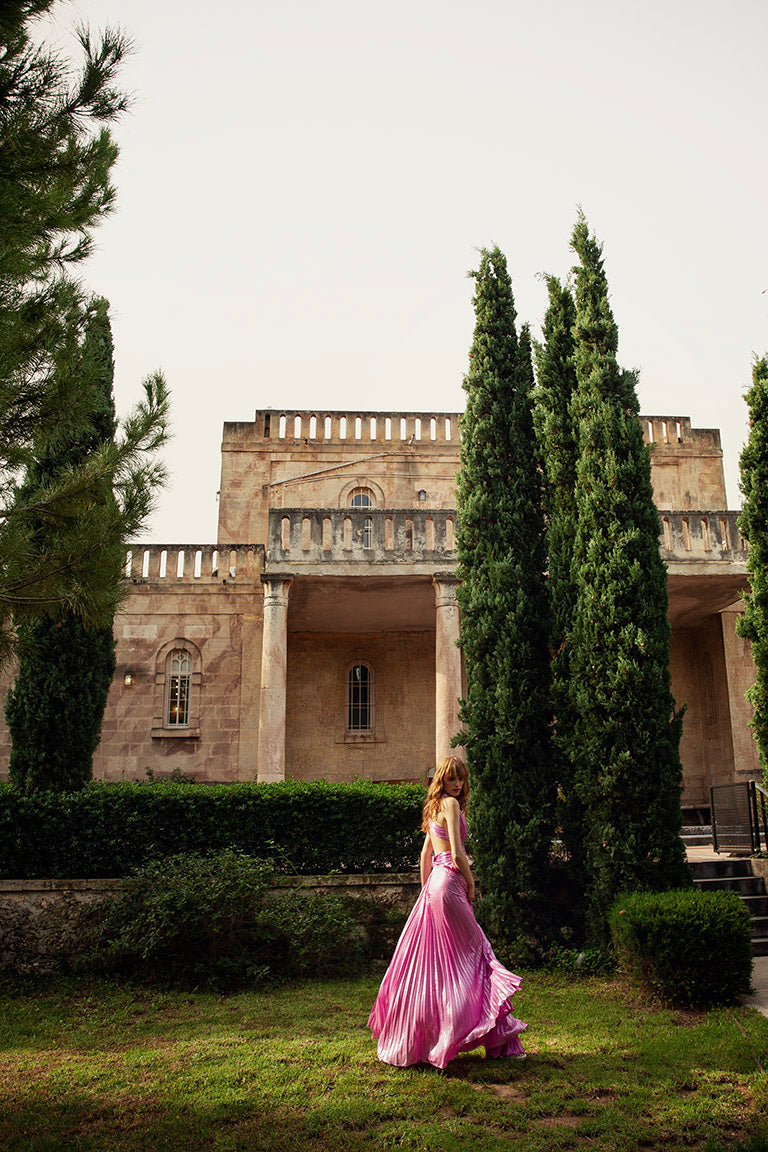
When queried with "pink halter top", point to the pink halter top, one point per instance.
{"points": [[441, 831]]}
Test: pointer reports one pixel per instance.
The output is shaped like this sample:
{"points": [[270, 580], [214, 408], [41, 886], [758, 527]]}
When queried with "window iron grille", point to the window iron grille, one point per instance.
{"points": [[359, 699], [180, 670]]}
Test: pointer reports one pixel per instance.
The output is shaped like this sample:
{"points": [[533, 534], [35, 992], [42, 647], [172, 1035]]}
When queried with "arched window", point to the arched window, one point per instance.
{"points": [[178, 686], [361, 498], [179, 679], [360, 698]]}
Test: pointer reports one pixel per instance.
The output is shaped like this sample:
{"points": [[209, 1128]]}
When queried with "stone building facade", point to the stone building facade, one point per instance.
{"points": [[316, 638]]}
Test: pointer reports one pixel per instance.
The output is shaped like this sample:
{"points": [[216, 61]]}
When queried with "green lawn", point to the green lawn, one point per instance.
{"points": [[86, 1066]]}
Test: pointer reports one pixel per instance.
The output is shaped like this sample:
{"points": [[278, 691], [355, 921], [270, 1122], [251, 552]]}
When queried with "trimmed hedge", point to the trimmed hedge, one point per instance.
{"points": [[111, 829], [685, 946]]}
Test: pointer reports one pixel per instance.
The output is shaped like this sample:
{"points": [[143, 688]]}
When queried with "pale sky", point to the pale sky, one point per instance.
{"points": [[303, 185]]}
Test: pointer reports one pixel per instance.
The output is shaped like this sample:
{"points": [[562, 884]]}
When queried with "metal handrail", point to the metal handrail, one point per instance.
{"points": [[740, 820], [761, 802]]}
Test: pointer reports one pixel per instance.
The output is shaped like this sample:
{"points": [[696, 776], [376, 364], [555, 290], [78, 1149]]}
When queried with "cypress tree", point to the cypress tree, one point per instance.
{"points": [[753, 526], [504, 627], [625, 741], [55, 709], [556, 384]]}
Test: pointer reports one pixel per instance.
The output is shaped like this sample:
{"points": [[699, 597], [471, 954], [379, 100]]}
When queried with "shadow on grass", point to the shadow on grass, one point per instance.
{"points": [[77, 1123]]}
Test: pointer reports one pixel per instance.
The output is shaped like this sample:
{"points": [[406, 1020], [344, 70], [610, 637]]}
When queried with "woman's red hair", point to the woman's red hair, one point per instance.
{"points": [[452, 768]]}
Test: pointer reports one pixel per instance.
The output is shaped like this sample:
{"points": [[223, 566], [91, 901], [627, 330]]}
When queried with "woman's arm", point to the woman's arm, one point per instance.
{"points": [[451, 809], [425, 860]]}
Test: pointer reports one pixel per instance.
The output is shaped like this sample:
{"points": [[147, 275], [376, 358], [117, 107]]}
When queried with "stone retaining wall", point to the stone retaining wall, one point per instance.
{"points": [[42, 921]]}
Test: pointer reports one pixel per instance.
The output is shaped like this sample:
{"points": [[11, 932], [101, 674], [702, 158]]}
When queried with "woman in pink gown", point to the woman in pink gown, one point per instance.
{"points": [[444, 991]]}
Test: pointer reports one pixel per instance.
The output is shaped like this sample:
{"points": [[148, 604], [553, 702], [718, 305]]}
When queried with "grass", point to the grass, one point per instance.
{"points": [[87, 1066]]}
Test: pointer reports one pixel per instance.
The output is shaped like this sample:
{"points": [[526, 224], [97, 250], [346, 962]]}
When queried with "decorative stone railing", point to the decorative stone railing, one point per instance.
{"points": [[701, 536], [385, 428], [396, 428], [312, 535], [193, 563]]}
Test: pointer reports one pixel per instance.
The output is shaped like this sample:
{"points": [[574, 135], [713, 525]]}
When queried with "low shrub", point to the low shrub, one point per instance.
{"points": [[106, 830], [382, 925], [210, 922], [319, 934], [685, 946]]}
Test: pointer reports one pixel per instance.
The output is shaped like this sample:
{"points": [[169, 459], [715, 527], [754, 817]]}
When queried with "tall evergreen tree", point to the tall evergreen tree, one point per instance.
{"points": [[504, 627], [56, 706], [553, 419], [56, 160], [555, 386], [753, 526], [625, 742]]}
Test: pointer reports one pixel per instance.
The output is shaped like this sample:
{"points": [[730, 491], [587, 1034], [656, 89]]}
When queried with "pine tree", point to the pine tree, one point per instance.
{"points": [[56, 159], [753, 526], [504, 627], [56, 706], [625, 742]]}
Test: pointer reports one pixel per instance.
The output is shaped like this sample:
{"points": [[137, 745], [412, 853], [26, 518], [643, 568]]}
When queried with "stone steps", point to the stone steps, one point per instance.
{"points": [[758, 905], [737, 876], [722, 868], [744, 885]]}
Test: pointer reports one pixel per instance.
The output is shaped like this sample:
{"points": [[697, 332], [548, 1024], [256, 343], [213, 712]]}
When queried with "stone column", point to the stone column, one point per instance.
{"points": [[447, 665], [740, 675], [274, 663]]}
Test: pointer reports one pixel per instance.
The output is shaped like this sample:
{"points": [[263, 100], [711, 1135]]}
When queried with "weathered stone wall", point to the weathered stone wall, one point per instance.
{"points": [[699, 682], [42, 922], [222, 626], [259, 471], [685, 691], [213, 604], [686, 464], [740, 671], [402, 745]]}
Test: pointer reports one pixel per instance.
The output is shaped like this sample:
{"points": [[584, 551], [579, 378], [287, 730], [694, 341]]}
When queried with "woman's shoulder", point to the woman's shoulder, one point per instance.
{"points": [[449, 804]]}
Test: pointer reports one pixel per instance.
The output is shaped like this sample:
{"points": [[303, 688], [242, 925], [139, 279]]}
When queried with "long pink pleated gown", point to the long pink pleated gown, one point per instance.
{"points": [[444, 991]]}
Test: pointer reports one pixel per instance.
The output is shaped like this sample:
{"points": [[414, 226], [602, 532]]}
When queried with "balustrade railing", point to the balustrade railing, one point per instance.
{"points": [[355, 427], [301, 535], [701, 536], [384, 534], [193, 563]]}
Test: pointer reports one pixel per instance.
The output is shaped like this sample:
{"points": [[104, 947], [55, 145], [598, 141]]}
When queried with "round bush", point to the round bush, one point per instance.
{"points": [[686, 946]]}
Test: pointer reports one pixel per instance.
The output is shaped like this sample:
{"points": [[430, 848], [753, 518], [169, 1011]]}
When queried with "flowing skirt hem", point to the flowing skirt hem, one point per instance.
{"points": [[498, 1032], [444, 991]]}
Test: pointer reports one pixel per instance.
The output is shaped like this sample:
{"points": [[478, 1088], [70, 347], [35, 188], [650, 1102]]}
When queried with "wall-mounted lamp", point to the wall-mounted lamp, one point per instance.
{"points": [[128, 679]]}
